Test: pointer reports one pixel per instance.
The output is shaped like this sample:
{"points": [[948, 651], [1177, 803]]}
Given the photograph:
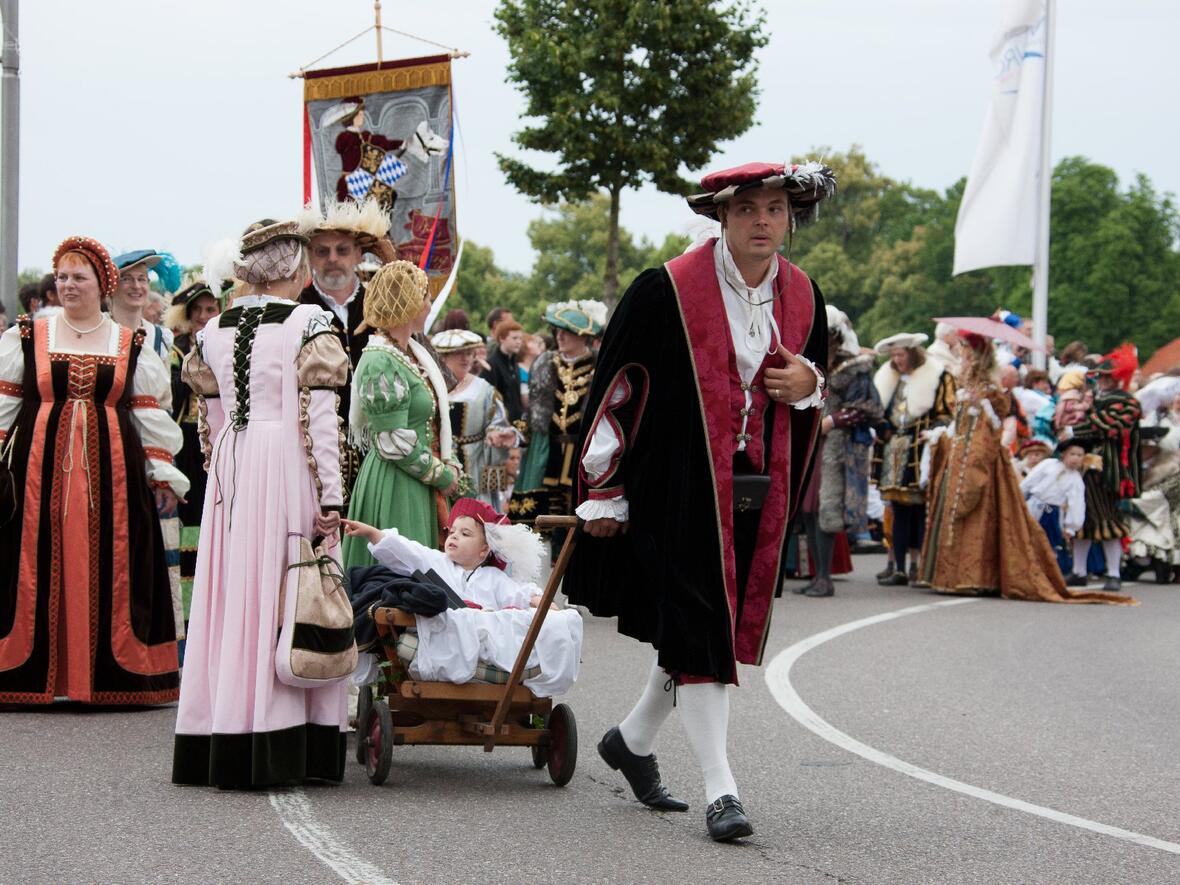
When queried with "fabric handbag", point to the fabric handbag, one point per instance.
{"points": [[750, 491], [317, 645]]}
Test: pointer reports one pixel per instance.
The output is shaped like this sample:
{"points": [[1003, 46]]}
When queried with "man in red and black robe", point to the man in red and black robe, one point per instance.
{"points": [[705, 422]]}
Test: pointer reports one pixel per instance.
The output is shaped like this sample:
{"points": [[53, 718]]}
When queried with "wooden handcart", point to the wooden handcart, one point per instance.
{"points": [[397, 709]]}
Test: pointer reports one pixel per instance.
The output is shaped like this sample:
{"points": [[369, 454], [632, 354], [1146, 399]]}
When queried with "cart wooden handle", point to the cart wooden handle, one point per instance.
{"points": [[556, 522], [530, 638]]}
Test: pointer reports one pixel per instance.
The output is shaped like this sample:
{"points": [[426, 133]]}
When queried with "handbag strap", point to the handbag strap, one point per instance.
{"points": [[6, 449], [327, 566]]}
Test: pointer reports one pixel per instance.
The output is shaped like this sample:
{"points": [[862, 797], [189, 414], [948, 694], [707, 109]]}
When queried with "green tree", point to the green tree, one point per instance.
{"points": [[29, 275], [626, 92], [870, 210], [482, 285], [572, 247], [571, 254], [883, 252]]}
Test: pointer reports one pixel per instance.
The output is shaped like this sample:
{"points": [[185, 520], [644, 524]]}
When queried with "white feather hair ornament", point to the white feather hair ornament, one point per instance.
{"points": [[522, 549], [220, 260]]}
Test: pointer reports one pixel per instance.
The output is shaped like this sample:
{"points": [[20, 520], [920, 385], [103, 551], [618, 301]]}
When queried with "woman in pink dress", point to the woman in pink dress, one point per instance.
{"points": [[266, 372]]}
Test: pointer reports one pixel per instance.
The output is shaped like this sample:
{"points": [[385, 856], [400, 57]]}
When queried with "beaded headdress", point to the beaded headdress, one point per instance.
{"points": [[96, 255]]}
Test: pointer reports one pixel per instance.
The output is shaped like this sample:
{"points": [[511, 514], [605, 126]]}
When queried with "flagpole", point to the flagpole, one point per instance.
{"points": [[377, 28], [9, 155], [1040, 312]]}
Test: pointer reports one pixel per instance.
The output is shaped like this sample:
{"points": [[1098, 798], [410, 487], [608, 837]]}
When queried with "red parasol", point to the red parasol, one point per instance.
{"points": [[989, 328]]}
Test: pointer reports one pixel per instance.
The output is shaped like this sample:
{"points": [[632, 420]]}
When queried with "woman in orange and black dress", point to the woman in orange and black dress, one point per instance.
{"points": [[86, 606]]}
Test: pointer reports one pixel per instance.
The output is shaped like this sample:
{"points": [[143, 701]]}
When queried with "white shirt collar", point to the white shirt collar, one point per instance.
{"points": [[332, 302], [724, 259]]}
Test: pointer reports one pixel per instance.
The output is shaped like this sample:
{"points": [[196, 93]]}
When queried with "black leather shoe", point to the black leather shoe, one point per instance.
{"points": [[885, 572], [726, 820], [820, 588], [1112, 585], [641, 772], [1076, 581], [893, 579]]}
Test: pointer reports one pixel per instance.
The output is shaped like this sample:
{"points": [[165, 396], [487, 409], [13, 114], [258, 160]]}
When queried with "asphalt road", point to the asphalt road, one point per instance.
{"points": [[1073, 708]]}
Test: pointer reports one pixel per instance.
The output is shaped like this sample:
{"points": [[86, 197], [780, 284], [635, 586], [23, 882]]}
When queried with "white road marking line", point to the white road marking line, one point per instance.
{"points": [[778, 679], [297, 815]]}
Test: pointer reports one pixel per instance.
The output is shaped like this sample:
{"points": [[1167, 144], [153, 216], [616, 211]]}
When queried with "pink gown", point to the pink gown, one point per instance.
{"points": [[266, 372]]}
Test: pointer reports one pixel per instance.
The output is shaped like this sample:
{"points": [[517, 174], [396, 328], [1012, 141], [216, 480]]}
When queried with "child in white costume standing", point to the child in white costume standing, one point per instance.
{"points": [[1056, 498]]}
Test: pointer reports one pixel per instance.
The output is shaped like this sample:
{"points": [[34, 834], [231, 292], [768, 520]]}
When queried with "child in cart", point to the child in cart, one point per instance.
{"points": [[491, 564]]}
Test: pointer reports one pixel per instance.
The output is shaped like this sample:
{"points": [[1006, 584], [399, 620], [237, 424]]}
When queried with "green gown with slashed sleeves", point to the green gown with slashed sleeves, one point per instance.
{"points": [[393, 414]]}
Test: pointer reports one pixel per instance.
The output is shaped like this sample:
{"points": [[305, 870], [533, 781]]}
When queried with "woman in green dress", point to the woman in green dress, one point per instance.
{"points": [[398, 395]]}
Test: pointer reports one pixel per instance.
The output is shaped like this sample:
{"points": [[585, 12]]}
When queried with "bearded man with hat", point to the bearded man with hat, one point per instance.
{"points": [[700, 431], [339, 240]]}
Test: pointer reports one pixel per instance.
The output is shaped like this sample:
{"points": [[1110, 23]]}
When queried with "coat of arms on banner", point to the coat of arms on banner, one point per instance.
{"points": [[384, 131]]}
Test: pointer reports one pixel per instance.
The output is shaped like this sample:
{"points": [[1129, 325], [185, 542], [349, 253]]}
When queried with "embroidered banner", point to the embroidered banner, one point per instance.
{"points": [[384, 131]]}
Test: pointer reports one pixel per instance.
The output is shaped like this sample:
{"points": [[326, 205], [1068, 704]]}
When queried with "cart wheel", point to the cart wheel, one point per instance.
{"points": [[563, 745], [364, 703], [379, 743]]}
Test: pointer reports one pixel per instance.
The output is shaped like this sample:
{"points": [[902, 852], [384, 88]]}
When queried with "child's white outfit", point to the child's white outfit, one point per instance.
{"points": [[1050, 484], [452, 644]]}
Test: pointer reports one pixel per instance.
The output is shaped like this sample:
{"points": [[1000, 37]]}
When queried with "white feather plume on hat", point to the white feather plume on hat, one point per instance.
{"points": [[308, 219], [522, 549], [220, 258], [365, 218]]}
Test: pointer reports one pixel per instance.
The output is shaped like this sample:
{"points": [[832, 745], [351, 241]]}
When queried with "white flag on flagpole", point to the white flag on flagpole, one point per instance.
{"points": [[997, 223]]}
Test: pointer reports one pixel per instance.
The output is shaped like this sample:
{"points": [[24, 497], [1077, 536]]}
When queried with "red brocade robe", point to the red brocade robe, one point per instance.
{"points": [[671, 578]]}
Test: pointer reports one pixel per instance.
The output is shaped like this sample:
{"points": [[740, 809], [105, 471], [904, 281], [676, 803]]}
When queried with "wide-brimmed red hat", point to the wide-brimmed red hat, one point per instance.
{"points": [[97, 255], [806, 185]]}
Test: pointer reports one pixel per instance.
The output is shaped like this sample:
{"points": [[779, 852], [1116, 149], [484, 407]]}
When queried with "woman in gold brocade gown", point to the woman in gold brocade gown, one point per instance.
{"points": [[980, 537]]}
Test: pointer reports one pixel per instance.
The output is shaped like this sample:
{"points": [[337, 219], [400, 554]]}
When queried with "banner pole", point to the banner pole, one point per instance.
{"points": [[9, 156], [1040, 303], [377, 13]]}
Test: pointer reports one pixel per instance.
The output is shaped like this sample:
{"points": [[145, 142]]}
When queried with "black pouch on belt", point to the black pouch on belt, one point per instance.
{"points": [[749, 491]]}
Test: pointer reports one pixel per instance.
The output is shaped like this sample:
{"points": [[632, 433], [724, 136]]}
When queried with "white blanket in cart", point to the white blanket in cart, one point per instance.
{"points": [[452, 644]]}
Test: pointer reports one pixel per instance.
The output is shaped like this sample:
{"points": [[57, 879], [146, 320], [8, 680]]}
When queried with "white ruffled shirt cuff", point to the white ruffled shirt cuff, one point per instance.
{"points": [[605, 508], [817, 396]]}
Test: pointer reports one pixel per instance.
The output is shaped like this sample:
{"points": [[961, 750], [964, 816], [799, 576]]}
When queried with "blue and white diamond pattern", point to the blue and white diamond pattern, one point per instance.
{"points": [[390, 170], [359, 181]]}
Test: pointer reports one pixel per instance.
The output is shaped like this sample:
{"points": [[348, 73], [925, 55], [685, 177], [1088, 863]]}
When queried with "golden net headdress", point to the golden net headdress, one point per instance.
{"points": [[395, 295]]}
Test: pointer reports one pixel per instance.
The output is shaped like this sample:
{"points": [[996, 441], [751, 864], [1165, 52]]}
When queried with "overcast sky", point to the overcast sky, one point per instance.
{"points": [[167, 125]]}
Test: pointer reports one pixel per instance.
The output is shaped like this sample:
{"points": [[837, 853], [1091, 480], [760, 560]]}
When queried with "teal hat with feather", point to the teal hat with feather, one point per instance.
{"points": [[585, 318]]}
